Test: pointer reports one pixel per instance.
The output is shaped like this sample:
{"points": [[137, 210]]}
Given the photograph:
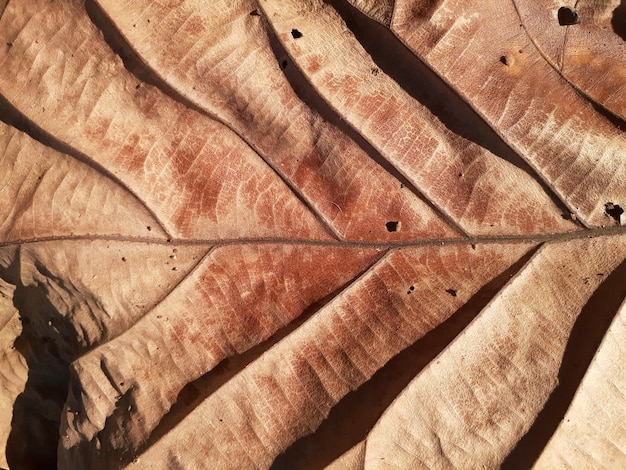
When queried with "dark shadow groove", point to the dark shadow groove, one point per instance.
{"points": [[195, 392], [353, 417], [307, 94], [401, 64], [610, 116], [587, 333], [3, 6], [422, 84], [618, 20], [46, 344], [130, 58], [12, 116], [135, 65]]}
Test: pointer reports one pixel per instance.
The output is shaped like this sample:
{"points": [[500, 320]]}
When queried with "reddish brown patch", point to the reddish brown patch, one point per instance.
{"points": [[97, 129], [304, 276], [179, 332], [194, 26], [185, 152], [313, 64], [132, 157]]}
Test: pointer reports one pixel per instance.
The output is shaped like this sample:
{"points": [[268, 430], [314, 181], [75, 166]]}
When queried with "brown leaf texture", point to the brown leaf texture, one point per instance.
{"points": [[350, 234]]}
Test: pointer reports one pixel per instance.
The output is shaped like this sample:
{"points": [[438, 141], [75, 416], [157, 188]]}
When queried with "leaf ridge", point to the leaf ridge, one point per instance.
{"points": [[496, 144], [506, 341], [135, 65], [425, 149], [517, 75], [144, 134], [367, 403], [177, 414], [331, 113], [587, 334], [322, 168], [12, 116]]}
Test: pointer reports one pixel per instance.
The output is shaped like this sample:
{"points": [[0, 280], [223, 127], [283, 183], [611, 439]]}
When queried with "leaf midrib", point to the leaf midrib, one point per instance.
{"points": [[479, 240]]}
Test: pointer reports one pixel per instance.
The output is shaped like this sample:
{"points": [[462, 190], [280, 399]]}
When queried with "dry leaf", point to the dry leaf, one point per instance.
{"points": [[298, 234]]}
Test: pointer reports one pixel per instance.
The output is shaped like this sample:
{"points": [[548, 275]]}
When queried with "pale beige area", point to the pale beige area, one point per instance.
{"points": [[593, 431], [237, 234], [47, 193], [473, 403]]}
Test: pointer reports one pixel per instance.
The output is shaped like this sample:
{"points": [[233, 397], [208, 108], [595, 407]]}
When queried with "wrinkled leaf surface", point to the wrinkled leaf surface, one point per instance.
{"points": [[306, 233]]}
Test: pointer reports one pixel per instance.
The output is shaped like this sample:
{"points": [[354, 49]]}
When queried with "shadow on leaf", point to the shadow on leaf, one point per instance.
{"points": [[353, 417], [618, 20], [34, 435], [587, 334]]}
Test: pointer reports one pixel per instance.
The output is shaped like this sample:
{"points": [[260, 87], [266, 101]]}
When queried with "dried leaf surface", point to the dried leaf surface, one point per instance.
{"points": [[301, 234]]}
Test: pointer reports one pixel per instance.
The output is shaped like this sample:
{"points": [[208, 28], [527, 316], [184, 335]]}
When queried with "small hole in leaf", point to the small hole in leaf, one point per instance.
{"points": [[393, 226], [255, 13], [283, 64], [567, 16], [452, 292], [614, 211], [296, 34], [504, 60], [375, 70]]}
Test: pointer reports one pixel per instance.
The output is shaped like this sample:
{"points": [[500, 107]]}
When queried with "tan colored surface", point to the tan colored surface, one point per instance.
{"points": [[356, 234], [593, 432]]}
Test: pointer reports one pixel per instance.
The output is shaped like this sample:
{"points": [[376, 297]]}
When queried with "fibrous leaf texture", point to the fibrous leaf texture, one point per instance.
{"points": [[354, 234]]}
